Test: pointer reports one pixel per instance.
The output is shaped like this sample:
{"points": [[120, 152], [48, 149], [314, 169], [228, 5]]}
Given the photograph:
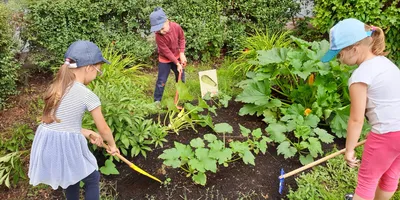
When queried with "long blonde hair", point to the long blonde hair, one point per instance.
{"points": [[52, 98], [376, 42]]}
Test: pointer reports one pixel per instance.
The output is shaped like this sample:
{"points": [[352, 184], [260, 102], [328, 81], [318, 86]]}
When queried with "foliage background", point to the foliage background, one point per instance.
{"points": [[8, 65], [211, 26], [381, 13]]}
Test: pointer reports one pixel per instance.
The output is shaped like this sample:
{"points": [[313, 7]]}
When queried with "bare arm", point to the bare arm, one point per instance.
{"points": [[358, 96], [104, 129]]}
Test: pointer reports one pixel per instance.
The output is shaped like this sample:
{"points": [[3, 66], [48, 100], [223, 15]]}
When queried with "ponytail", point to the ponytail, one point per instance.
{"points": [[52, 98], [378, 40]]}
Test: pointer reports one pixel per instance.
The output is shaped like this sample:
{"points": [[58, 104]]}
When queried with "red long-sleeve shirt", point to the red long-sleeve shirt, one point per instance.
{"points": [[170, 44]]}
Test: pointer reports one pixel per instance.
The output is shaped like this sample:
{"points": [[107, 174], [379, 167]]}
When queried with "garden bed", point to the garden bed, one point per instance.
{"points": [[238, 180]]}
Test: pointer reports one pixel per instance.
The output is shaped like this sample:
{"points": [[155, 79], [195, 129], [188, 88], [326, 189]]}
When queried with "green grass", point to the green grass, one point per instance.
{"points": [[329, 182]]}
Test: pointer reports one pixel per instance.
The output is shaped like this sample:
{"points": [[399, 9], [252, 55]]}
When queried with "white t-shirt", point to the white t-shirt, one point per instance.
{"points": [[383, 95]]}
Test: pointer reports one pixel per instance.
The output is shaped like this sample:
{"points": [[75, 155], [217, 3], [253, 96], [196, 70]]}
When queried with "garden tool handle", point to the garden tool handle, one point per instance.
{"points": [[318, 161], [118, 155], [131, 165], [176, 93]]}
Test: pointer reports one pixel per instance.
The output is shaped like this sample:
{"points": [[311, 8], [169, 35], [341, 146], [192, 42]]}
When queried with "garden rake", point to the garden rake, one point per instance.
{"points": [[131, 165], [283, 175]]}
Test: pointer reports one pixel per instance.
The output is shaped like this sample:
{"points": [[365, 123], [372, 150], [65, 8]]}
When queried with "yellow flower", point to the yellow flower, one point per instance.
{"points": [[311, 79], [307, 111]]}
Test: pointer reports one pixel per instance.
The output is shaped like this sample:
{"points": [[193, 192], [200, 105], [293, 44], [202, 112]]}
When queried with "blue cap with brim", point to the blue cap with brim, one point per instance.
{"points": [[84, 53], [345, 33], [157, 19]]}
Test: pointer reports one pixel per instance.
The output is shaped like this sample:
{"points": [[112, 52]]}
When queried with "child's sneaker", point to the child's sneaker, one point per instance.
{"points": [[348, 197], [158, 104]]}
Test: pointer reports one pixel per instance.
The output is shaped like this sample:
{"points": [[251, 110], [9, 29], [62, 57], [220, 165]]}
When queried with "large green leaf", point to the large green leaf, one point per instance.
{"points": [[304, 160], [275, 55], [257, 93], [248, 157], [222, 155], [223, 128], [286, 150], [197, 142], [311, 120], [276, 132], [314, 146], [109, 168], [204, 161], [200, 178], [339, 122], [171, 157], [324, 136]]}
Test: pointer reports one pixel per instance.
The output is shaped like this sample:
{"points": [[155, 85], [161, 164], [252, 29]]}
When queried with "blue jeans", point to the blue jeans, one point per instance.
{"points": [[163, 73], [91, 187]]}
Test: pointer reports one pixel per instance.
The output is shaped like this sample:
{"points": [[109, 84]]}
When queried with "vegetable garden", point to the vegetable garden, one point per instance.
{"points": [[278, 106]]}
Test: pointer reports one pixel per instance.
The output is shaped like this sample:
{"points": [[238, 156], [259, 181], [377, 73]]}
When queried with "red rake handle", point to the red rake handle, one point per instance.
{"points": [[176, 93]]}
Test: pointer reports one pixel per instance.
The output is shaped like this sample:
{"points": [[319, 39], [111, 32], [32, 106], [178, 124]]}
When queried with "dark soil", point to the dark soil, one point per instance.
{"points": [[238, 181]]}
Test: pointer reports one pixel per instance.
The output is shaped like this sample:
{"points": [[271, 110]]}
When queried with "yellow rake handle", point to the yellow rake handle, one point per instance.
{"points": [[131, 165]]}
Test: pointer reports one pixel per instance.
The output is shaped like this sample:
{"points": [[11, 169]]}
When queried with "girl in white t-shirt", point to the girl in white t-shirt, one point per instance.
{"points": [[375, 92]]}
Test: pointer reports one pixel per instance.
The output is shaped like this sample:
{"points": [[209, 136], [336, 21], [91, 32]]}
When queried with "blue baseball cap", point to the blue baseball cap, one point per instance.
{"points": [[157, 19], [345, 33], [84, 53]]}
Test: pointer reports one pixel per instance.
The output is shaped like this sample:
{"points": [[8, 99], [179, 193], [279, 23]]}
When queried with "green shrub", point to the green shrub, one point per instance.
{"points": [[258, 41], [210, 26], [8, 65], [381, 13]]}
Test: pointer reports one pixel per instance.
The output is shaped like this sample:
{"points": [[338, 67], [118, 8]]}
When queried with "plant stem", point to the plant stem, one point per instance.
{"points": [[186, 170]]}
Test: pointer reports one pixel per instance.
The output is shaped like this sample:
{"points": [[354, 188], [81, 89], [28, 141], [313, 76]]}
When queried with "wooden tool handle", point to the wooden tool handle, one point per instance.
{"points": [[318, 161], [118, 155]]}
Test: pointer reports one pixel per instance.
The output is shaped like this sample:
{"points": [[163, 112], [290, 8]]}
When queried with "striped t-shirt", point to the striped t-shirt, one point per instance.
{"points": [[73, 105]]}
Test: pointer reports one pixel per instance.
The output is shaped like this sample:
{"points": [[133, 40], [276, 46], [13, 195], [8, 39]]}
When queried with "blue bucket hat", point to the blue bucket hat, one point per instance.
{"points": [[345, 33], [157, 19], [84, 53]]}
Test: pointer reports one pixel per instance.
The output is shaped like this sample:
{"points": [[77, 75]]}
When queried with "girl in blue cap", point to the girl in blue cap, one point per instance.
{"points": [[375, 92], [60, 155]]}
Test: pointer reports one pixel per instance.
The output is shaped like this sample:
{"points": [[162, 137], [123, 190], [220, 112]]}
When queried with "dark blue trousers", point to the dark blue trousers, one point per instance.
{"points": [[91, 187], [163, 73]]}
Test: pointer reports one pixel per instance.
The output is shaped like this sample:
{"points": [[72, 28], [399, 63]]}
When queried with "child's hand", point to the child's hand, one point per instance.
{"points": [[183, 60], [180, 68], [96, 139], [113, 150], [351, 158]]}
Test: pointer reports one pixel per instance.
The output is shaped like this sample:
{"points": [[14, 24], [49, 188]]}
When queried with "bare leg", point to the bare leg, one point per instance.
{"points": [[356, 197], [382, 195]]}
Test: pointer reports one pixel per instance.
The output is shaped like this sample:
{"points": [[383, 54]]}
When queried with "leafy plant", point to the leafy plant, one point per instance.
{"points": [[206, 154], [11, 168], [258, 41], [109, 168], [8, 65], [220, 100], [298, 95], [21, 139], [307, 136]]}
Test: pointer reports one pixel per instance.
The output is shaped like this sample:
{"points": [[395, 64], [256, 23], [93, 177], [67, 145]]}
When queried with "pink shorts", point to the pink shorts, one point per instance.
{"points": [[380, 164]]}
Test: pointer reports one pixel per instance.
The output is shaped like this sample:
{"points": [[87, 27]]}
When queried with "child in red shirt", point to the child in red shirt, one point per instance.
{"points": [[170, 41]]}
